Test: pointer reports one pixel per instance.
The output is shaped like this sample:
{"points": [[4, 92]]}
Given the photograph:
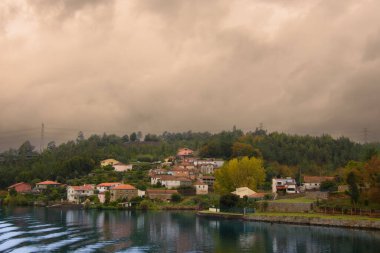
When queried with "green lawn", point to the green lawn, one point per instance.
{"points": [[295, 200], [317, 215]]}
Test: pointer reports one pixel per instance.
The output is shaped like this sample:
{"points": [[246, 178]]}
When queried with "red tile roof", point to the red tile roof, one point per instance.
{"points": [[208, 177], [184, 152], [124, 187], [257, 195], [48, 183], [86, 187], [16, 184]]}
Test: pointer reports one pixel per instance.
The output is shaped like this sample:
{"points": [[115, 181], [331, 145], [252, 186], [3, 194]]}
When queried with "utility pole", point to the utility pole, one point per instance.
{"points": [[42, 137]]}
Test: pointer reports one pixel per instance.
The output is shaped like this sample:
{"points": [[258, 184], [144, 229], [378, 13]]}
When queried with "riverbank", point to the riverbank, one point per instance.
{"points": [[347, 221]]}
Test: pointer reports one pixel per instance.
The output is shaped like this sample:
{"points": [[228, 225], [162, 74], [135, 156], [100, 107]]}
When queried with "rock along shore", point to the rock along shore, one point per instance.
{"points": [[301, 220]]}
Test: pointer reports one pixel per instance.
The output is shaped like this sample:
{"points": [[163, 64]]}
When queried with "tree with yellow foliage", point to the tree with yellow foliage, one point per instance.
{"points": [[245, 172]]}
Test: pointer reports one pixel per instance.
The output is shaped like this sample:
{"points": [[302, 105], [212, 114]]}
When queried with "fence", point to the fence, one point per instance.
{"points": [[243, 210], [349, 211]]}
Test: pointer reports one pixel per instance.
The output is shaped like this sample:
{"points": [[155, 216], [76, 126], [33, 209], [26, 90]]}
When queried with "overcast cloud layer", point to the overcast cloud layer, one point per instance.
{"points": [[119, 66]]}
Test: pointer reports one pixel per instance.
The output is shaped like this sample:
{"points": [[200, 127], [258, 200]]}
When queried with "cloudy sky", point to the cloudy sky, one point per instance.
{"points": [[307, 67]]}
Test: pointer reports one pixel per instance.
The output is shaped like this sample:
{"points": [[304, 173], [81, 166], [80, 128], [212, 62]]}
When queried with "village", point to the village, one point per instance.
{"points": [[177, 177]]}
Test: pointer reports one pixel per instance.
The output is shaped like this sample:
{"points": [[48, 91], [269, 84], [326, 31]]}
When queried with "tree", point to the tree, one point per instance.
{"points": [[240, 149], [353, 187], [107, 196], [176, 197], [228, 201], [246, 172], [133, 136], [80, 137], [125, 138], [26, 148], [51, 145], [329, 186]]}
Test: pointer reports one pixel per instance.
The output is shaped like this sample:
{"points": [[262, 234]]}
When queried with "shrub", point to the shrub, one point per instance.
{"points": [[228, 201], [176, 197]]}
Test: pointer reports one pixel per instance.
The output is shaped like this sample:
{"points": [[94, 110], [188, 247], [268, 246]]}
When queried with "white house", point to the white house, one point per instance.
{"points": [[121, 167], [201, 188], [170, 181], [77, 194], [106, 186], [243, 191], [314, 183], [287, 185]]}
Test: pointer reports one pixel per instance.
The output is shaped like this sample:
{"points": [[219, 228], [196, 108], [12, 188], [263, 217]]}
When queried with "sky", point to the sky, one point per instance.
{"points": [[117, 66]]}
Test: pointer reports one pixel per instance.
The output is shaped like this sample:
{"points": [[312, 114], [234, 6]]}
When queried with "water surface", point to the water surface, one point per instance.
{"points": [[55, 230]]}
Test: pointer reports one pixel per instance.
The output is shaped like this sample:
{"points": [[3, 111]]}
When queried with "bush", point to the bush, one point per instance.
{"points": [[329, 186], [147, 204], [228, 201], [176, 197]]}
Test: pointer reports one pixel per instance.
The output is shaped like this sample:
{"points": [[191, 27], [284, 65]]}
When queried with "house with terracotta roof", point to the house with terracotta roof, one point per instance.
{"points": [[314, 182], [160, 194], [78, 194], [286, 185], [121, 167], [170, 181], [106, 186], [200, 188], [184, 153], [21, 187], [123, 191], [47, 184], [257, 196], [209, 180]]}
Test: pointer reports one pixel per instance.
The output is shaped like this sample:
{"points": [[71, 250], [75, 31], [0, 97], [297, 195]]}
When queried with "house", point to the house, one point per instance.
{"points": [[201, 188], [108, 162], [184, 153], [209, 180], [170, 181], [243, 191], [160, 194], [207, 168], [106, 186], [78, 194], [123, 191], [314, 182], [47, 185], [21, 187], [215, 162], [286, 185], [121, 167]]}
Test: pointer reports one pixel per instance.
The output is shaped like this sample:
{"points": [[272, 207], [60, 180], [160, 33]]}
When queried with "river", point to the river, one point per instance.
{"points": [[54, 230]]}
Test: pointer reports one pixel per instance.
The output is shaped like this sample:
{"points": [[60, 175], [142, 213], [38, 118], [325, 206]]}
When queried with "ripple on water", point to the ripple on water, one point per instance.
{"points": [[10, 235], [93, 247], [7, 229], [9, 244]]}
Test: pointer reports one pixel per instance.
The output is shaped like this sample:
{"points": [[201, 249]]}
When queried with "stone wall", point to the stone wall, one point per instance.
{"points": [[363, 224], [317, 195]]}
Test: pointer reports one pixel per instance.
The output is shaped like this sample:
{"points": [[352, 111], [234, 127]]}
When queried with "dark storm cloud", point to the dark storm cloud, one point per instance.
{"points": [[120, 66]]}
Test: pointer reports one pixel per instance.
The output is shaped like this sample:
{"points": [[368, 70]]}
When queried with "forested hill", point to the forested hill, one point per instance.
{"points": [[74, 159]]}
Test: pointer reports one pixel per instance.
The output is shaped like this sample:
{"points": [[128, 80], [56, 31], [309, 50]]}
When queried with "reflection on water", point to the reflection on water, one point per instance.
{"points": [[47, 230]]}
